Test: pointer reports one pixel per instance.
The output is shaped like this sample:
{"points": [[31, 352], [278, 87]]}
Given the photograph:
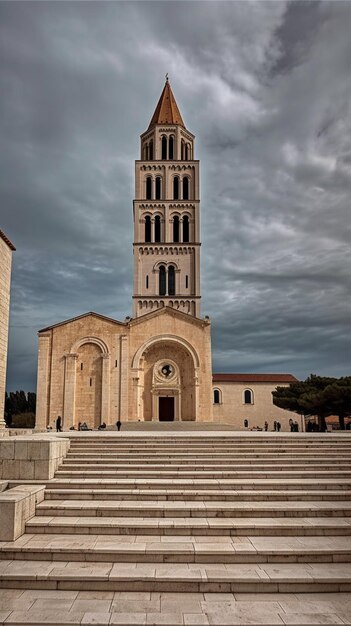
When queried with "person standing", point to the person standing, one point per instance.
{"points": [[118, 424], [266, 425], [58, 424]]}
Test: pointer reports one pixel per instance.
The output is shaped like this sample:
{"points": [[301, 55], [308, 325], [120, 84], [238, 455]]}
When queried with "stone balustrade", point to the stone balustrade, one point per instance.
{"points": [[17, 506]]}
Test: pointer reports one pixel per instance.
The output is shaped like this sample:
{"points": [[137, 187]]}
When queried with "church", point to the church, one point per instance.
{"points": [[155, 365]]}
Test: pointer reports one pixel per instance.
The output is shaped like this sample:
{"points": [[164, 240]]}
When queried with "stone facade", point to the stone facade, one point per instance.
{"points": [[96, 369], [6, 249]]}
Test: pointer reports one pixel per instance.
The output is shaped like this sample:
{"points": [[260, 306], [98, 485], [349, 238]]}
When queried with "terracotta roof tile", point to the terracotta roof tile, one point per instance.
{"points": [[254, 378], [167, 111]]}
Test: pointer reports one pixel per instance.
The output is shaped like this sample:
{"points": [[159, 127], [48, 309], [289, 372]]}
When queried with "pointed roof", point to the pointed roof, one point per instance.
{"points": [[167, 111]]}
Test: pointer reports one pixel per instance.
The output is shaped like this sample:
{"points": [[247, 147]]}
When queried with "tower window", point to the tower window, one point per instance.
{"points": [[148, 229], [162, 280], [248, 396], [158, 188], [164, 148], [147, 282], [176, 188], [176, 229], [149, 188], [151, 150], [171, 147], [157, 229], [171, 280], [186, 229], [186, 188], [186, 281]]}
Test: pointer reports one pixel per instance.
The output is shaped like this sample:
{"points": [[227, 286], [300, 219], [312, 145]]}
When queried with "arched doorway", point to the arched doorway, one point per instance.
{"points": [[166, 387]]}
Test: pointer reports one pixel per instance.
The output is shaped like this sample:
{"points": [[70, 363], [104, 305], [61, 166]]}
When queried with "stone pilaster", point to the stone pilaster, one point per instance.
{"points": [[69, 390]]}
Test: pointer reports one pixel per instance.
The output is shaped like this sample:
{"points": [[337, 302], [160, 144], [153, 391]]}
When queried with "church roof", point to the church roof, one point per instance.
{"points": [[167, 310], [78, 317], [6, 240], [167, 111], [254, 378]]}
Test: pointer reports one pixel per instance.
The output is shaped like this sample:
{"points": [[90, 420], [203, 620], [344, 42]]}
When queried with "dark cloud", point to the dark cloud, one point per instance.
{"points": [[264, 86]]}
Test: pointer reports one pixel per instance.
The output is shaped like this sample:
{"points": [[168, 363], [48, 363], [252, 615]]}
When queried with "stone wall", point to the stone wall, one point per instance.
{"points": [[5, 282], [233, 410]]}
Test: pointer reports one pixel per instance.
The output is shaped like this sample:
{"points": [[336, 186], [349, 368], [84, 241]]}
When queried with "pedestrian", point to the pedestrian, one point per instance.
{"points": [[266, 425], [118, 424], [291, 424], [58, 424], [275, 425], [296, 427], [278, 426]]}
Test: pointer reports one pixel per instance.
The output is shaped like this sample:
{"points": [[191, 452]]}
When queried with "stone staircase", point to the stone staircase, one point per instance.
{"points": [[199, 513]]}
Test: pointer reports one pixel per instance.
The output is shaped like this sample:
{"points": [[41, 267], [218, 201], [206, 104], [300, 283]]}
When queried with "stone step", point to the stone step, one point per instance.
{"points": [[201, 495], [185, 550], [177, 577], [223, 465], [244, 526], [121, 508], [103, 472], [277, 484]]}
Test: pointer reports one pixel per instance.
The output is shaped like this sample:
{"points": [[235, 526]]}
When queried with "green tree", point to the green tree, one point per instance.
{"points": [[337, 396], [306, 397]]}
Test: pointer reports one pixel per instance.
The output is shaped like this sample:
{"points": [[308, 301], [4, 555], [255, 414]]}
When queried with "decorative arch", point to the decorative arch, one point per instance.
{"points": [[80, 342], [166, 337]]}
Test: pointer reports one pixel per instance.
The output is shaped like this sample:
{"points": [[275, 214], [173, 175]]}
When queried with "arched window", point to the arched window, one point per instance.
{"points": [[216, 396], [248, 396], [176, 229], [151, 150], [185, 229], [148, 229], [185, 188], [182, 150], [158, 187], [176, 188], [171, 147], [162, 281], [164, 147], [149, 188], [157, 229], [171, 280]]}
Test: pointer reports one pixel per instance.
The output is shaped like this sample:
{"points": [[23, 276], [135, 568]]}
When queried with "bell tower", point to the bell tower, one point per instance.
{"points": [[166, 215]]}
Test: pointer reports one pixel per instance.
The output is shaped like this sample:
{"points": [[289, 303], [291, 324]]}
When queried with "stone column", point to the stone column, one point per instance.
{"points": [[123, 378], [105, 389], [69, 390], [43, 382]]}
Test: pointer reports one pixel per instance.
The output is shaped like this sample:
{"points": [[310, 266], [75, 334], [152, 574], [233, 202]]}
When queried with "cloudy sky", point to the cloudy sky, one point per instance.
{"points": [[266, 89]]}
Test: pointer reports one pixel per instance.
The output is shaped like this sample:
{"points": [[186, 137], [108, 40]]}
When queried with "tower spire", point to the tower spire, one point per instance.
{"points": [[166, 111]]}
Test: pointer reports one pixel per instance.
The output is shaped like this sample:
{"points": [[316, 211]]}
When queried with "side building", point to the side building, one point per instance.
{"points": [[6, 250]]}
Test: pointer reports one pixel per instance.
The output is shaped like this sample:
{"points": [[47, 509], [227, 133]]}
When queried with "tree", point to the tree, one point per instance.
{"points": [[337, 397], [308, 397]]}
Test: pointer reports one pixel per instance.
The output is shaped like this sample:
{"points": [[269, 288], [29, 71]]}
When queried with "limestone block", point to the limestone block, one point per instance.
{"points": [[16, 507], [32, 458], [7, 450]]}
